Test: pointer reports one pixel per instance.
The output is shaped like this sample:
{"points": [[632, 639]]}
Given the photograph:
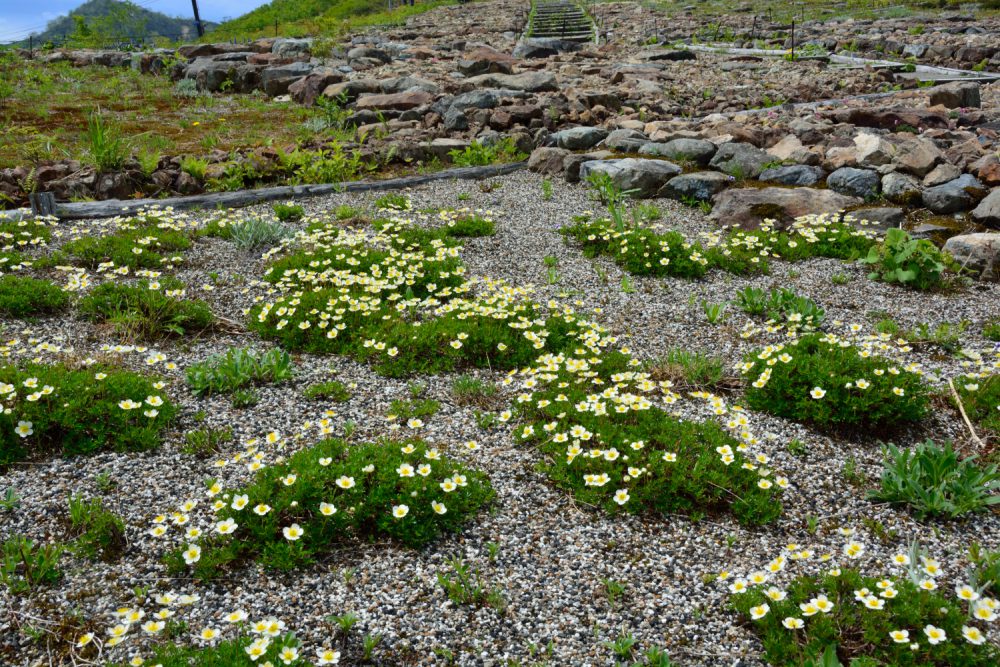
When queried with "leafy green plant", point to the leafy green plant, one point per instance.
{"points": [[816, 379], [714, 312], [25, 566], [933, 481], [463, 584], [470, 390], [21, 296], [333, 390], [231, 653], [57, 409], [991, 330], [144, 311], [689, 369], [98, 532], [393, 200], [322, 495], [902, 259], [414, 409], [207, 441], [249, 235], [478, 154], [850, 611], [546, 189], [288, 212], [944, 335], [980, 397], [194, 167], [237, 368], [107, 149], [470, 225], [781, 305], [137, 248]]}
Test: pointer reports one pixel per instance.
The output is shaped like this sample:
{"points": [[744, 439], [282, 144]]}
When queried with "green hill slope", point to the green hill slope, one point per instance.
{"points": [[114, 19]]}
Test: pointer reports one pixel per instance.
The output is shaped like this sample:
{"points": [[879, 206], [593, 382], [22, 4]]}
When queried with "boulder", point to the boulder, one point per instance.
{"points": [[455, 120], [670, 55], [941, 174], [532, 82], [748, 207], [547, 160], [792, 149], [368, 53], [625, 141], [277, 80], [352, 90], [979, 253], [740, 160], [989, 171], [683, 150], [700, 185], [574, 161], [543, 47], [291, 48], [988, 211], [902, 189], [442, 146], [579, 138], [955, 95], [872, 150], [485, 61], [954, 196], [397, 101], [854, 182], [644, 178], [917, 156], [308, 88], [793, 175]]}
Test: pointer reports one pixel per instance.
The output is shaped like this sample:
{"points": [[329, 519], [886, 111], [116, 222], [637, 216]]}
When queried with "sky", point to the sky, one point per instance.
{"points": [[19, 18]]}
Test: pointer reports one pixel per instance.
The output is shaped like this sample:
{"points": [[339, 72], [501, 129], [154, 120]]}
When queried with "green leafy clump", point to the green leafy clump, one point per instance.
{"points": [[107, 149], [621, 453], [53, 410], [288, 212], [229, 653], [780, 305], [469, 390], [333, 390], [22, 234], [826, 381], [147, 310], [425, 407], [991, 329], [248, 235], [25, 565], [26, 297], [912, 262], [394, 201], [400, 301], [141, 247], [478, 154], [470, 225], [98, 532], [980, 398], [640, 251], [237, 368], [934, 482], [689, 369], [296, 511], [859, 620]]}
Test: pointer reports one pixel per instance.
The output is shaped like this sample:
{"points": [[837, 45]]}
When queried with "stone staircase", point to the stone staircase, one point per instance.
{"points": [[560, 19]]}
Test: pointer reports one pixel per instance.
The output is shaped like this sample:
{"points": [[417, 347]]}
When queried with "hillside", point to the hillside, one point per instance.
{"points": [[301, 17], [114, 19]]}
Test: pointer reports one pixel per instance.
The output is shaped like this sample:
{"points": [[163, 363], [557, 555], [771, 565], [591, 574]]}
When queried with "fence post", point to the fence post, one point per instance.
{"points": [[42, 203], [31, 46], [793, 39]]}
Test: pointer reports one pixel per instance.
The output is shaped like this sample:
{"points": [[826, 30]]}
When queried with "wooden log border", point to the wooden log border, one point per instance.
{"points": [[114, 207]]}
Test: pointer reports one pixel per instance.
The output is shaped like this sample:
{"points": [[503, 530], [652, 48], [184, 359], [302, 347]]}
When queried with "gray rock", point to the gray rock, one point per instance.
{"points": [[532, 82], [988, 211], [670, 55], [917, 156], [941, 174], [455, 119], [579, 138], [956, 95], [881, 218], [625, 141], [351, 90], [547, 160], [793, 175], [700, 185], [479, 99], [276, 80], [748, 207], [684, 150], [854, 182], [645, 178], [740, 160], [977, 252], [359, 52], [954, 196], [291, 48], [901, 189]]}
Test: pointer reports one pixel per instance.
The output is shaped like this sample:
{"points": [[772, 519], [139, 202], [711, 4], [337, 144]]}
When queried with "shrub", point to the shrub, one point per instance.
{"points": [[24, 297], [330, 492], [618, 452], [902, 259], [107, 148], [980, 397], [826, 381], [933, 481], [465, 224], [288, 212], [97, 532], [194, 167], [237, 368], [145, 311], [60, 410], [860, 620], [333, 390], [139, 248]]}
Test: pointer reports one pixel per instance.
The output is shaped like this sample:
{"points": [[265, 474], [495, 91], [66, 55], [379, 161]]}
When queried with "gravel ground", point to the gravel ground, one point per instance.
{"points": [[550, 555]]}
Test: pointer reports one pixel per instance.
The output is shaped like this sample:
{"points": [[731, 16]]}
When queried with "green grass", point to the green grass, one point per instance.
{"points": [[143, 311]]}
